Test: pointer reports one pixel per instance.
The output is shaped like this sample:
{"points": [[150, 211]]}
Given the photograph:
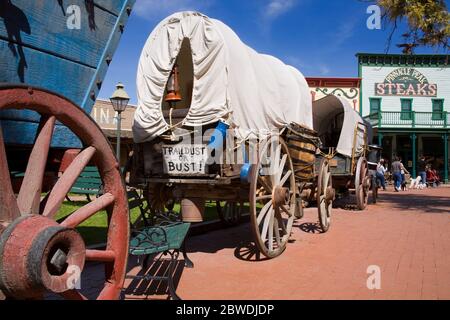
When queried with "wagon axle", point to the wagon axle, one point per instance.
{"points": [[38, 255], [280, 196]]}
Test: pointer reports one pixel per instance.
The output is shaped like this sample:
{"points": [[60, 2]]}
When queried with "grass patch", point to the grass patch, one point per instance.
{"points": [[94, 230]]}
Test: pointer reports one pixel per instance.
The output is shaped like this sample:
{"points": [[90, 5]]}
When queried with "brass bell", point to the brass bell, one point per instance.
{"points": [[173, 86]]}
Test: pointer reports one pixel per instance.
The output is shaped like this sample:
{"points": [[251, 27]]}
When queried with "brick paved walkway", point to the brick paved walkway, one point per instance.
{"points": [[406, 234]]}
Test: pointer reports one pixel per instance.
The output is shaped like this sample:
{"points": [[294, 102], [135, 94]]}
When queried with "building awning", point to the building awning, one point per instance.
{"points": [[126, 134]]}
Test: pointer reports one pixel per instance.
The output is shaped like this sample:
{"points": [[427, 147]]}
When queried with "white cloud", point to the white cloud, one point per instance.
{"points": [[150, 9], [276, 8], [324, 70], [344, 32]]}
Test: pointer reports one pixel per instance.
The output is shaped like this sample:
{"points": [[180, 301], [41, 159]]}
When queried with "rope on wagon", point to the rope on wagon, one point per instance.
{"points": [[330, 155]]}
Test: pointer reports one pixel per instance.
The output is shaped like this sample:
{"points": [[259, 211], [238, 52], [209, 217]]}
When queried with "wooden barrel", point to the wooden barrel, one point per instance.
{"points": [[302, 144]]}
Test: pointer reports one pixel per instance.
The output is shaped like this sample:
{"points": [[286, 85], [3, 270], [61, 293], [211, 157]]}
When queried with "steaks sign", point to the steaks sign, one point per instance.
{"points": [[406, 82]]}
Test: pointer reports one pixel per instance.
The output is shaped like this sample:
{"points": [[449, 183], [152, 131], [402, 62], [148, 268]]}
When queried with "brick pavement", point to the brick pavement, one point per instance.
{"points": [[406, 234]]}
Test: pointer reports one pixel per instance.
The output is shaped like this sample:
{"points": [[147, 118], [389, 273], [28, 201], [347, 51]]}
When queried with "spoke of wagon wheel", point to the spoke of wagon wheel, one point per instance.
{"points": [[264, 211], [280, 170], [271, 227], [275, 166], [281, 223], [263, 182], [65, 183], [8, 204], [327, 181], [29, 196], [100, 255], [73, 295], [323, 192], [277, 232], [88, 211], [283, 207], [267, 220], [265, 197], [286, 176]]}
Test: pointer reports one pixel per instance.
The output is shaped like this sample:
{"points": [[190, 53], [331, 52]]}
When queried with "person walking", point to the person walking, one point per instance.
{"points": [[423, 169], [381, 170], [403, 171], [397, 174]]}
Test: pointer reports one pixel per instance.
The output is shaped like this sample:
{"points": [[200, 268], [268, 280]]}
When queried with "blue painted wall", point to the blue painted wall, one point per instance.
{"points": [[38, 48]]}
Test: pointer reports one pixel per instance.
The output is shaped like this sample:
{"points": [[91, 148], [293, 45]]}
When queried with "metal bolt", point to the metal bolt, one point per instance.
{"points": [[59, 260]]}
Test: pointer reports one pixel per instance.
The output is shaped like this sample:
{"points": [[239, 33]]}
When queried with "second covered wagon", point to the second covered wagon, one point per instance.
{"points": [[344, 136]]}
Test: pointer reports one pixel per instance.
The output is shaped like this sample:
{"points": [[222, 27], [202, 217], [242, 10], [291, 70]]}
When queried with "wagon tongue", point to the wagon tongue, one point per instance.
{"points": [[38, 255]]}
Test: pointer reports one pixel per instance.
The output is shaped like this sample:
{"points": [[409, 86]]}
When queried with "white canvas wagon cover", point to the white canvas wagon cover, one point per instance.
{"points": [[331, 109], [258, 92]]}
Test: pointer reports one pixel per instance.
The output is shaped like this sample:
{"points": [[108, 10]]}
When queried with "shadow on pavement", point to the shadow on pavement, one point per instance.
{"points": [[153, 289], [426, 204], [310, 227]]}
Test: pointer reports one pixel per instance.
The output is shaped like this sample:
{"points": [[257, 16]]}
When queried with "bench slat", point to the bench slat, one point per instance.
{"points": [[141, 244]]}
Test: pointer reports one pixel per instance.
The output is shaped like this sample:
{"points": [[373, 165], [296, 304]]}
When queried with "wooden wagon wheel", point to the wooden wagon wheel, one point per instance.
{"points": [[230, 213], [325, 195], [362, 183], [37, 253], [272, 197]]}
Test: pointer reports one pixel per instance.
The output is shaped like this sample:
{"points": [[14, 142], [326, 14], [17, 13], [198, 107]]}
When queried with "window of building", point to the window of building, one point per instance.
{"points": [[406, 113], [375, 107], [438, 109]]}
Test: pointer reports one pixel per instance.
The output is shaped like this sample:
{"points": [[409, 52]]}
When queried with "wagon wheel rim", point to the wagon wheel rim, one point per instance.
{"points": [[325, 195], [28, 208], [230, 213], [362, 184], [272, 198]]}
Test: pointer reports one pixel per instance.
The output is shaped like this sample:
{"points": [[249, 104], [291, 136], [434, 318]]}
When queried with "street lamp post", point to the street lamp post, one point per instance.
{"points": [[119, 101]]}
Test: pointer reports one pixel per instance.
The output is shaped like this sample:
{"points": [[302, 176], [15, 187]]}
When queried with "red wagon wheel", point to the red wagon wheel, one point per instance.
{"points": [[362, 183], [38, 254], [272, 198]]}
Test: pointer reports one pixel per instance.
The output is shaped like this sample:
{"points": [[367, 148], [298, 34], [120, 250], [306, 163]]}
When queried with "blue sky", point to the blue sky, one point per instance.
{"points": [[319, 37]]}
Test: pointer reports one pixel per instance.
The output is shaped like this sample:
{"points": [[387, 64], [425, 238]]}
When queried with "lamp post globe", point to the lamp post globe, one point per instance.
{"points": [[119, 101]]}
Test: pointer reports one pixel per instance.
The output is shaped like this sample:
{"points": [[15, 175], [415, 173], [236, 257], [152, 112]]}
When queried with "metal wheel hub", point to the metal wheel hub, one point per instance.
{"points": [[37, 254], [330, 195], [366, 183], [280, 196]]}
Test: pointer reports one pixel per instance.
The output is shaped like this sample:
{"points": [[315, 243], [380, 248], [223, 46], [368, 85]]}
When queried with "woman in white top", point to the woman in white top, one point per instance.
{"points": [[381, 170]]}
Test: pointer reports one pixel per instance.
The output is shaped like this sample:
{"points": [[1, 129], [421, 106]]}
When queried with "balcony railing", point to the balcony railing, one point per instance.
{"points": [[398, 119]]}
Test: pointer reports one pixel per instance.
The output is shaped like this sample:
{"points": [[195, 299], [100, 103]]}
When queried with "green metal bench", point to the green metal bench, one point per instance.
{"points": [[166, 237], [88, 183]]}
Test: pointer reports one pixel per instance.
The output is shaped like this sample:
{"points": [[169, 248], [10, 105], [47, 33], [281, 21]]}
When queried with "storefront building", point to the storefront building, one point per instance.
{"points": [[407, 100], [347, 88]]}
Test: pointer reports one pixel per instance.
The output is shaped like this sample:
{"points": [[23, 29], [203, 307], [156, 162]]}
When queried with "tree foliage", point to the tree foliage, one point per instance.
{"points": [[428, 22]]}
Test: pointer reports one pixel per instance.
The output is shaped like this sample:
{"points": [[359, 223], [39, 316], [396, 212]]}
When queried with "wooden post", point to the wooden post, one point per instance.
{"points": [[445, 137], [380, 139], [414, 155]]}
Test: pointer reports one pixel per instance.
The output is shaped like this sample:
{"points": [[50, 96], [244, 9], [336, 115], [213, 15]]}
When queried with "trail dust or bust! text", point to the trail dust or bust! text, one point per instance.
{"points": [[185, 159]]}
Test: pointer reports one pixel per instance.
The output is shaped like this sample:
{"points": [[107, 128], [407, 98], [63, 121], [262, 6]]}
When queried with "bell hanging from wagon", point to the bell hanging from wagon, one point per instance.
{"points": [[173, 86]]}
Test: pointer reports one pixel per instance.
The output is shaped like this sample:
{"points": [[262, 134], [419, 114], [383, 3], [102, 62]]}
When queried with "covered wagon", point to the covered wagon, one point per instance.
{"points": [[213, 122], [344, 136]]}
